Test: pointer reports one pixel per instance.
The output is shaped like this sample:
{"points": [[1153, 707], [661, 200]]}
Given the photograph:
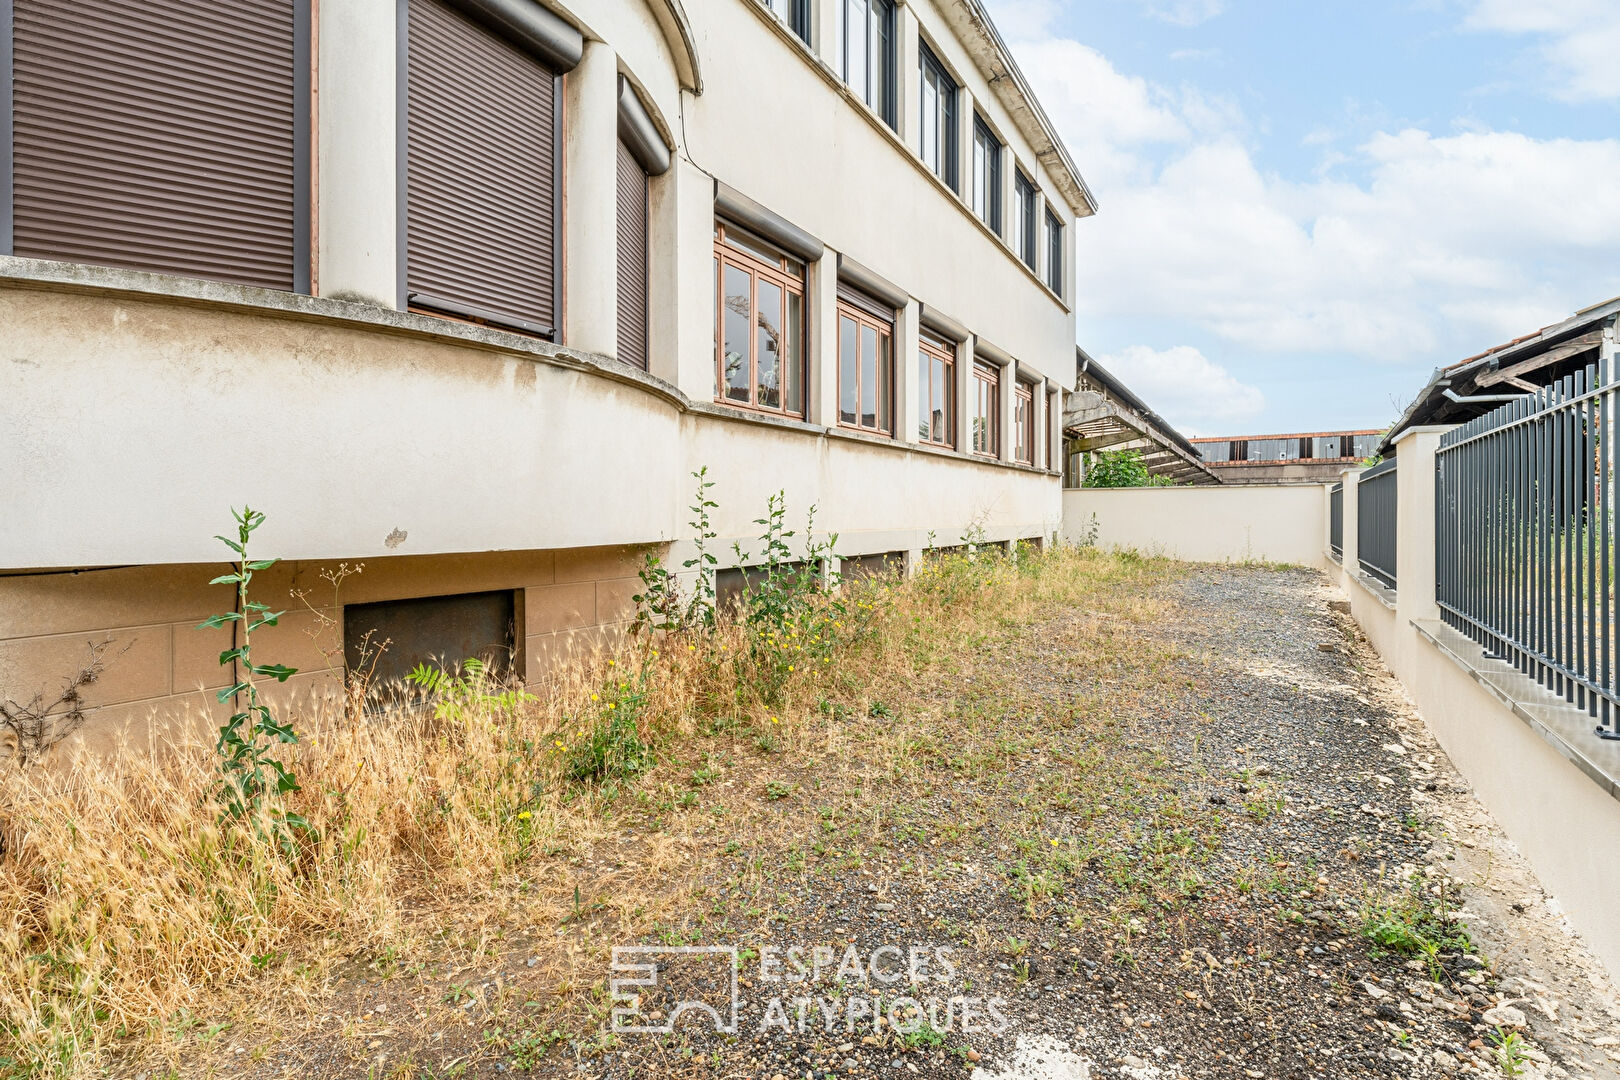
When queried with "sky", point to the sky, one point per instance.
{"points": [[1306, 206]]}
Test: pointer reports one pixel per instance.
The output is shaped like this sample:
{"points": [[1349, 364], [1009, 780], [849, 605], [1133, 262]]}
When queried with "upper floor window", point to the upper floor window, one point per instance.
{"points": [[1023, 237], [936, 391], [1054, 252], [865, 364], [759, 325], [168, 137], [482, 203], [796, 13], [985, 409], [1024, 422], [631, 222], [938, 104], [867, 51], [986, 192]]}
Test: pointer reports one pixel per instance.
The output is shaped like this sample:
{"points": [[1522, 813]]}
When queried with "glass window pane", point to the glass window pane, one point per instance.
{"points": [[768, 350], [885, 381], [792, 361], [868, 377], [976, 197], [737, 303], [849, 369], [855, 48], [759, 249], [882, 16], [936, 405], [924, 367], [930, 117]]}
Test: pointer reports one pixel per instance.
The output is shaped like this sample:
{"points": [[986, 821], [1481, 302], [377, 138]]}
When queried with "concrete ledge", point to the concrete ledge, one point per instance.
{"points": [[1562, 726], [1381, 592]]}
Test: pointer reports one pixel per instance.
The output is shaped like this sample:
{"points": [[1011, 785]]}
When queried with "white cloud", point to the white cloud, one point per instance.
{"points": [[1186, 386], [1580, 41], [1441, 244], [1184, 12]]}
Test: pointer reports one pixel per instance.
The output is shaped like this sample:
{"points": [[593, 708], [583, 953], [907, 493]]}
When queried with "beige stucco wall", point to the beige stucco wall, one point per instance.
{"points": [[1203, 524], [158, 664]]}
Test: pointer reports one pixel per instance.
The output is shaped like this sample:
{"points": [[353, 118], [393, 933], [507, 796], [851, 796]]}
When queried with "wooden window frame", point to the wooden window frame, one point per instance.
{"points": [[865, 316], [791, 284], [1024, 425], [986, 384], [1046, 450], [928, 351]]}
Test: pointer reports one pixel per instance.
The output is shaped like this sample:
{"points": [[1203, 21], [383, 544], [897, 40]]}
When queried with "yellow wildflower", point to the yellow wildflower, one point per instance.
{"points": [[525, 816]]}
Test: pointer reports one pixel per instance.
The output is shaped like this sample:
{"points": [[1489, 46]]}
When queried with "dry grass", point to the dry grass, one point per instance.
{"points": [[128, 907]]}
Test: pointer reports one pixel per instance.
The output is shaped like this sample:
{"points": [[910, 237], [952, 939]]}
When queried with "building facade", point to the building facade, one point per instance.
{"points": [[1313, 457], [465, 289]]}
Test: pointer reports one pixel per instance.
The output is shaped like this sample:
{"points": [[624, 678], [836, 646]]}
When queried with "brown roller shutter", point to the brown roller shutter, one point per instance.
{"points": [[163, 135], [632, 232], [481, 202]]}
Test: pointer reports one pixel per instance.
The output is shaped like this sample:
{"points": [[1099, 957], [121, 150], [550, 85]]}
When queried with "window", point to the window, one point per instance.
{"points": [[986, 408], [1054, 253], [936, 392], [1046, 449], [168, 137], [386, 640], [886, 566], [482, 208], [759, 326], [1238, 450], [938, 102], [866, 53], [796, 13], [1024, 422], [986, 194], [1023, 238], [632, 237], [865, 365]]}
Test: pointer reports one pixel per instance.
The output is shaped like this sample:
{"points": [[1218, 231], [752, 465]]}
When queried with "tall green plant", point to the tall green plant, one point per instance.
{"points": [[659, 605], [700, 612], [252, 780], [1120, 469]]}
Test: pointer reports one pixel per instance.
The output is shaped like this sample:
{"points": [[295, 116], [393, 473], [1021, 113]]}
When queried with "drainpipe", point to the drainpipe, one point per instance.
{"points": [[1479, 399]]}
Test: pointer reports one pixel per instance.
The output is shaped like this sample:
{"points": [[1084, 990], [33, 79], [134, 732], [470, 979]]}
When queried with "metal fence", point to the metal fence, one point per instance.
{"points": [[1375, 521], [1336, 520], [1524, 540]]}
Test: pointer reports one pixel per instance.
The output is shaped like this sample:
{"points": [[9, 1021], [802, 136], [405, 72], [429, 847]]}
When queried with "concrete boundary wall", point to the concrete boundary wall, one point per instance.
{"points": [[1531, 758], [1280, 523]]}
